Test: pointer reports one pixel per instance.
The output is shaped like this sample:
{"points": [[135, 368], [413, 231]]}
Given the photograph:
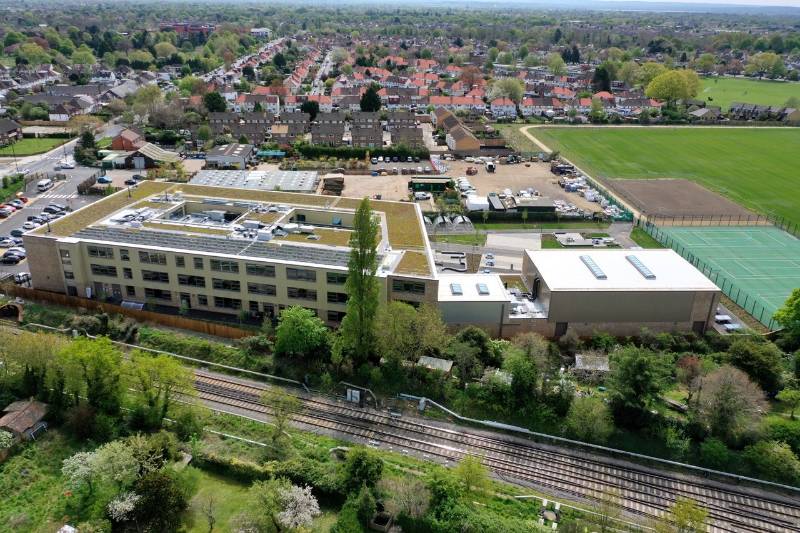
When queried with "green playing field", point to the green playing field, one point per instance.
{"points": [[756, 266]]}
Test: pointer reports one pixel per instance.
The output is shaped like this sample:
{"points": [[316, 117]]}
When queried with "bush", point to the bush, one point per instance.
{"points": [[714, 454], [244, 471], [192, 347], [346, 152], [774, 461], [787, 431], [303, 471]]}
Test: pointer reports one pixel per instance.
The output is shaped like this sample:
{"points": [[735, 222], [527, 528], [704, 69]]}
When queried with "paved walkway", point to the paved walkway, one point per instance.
{"points": [[621, 231]]}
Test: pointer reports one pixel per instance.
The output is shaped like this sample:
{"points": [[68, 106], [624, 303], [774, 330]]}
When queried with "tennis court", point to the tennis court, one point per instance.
{"points": [[756, 266]]}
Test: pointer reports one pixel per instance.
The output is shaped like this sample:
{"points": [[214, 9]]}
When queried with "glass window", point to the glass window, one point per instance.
{"points": [[301, 274], [202, 299], [267, 271], [127, 273], [225, 266], [414, 287], [130, 290], [104, 270], [191, 281], [336, 316], [198, 263], [301, 294], [158, 277], [226, 284], [103, 252], [227, 303], [337, 278], [158, 294], [261, 288], [153, 258], [124, 254], [180, 261], [68, 275], [337, 298]]}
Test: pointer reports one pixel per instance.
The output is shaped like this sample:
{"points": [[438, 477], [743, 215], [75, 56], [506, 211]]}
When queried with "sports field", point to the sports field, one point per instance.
{"points": [[755, 167], [723, 91], [757, 266]]}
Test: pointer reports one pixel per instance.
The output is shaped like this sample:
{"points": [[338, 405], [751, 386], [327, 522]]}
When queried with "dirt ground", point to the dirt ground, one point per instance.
{"points": [[675, 197], [391, 187], [516, 177]]}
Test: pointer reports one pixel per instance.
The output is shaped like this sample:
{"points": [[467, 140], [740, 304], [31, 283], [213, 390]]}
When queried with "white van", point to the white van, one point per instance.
{"points": [[44, 185]]}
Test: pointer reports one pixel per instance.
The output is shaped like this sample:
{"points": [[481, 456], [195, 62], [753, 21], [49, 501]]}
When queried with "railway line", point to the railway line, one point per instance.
{"points": [[642, 491]]}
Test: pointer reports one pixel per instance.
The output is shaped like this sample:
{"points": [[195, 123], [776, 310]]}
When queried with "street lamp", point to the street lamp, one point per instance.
{"points": [[14, 155]]}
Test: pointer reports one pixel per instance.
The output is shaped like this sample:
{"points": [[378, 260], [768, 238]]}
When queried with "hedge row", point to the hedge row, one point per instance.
{"points": [[348, 152], [192, 347]]}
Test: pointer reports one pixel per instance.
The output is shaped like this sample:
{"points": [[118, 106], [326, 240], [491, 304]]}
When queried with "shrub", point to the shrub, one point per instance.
{"points": [[787, 431], [191, 347]]}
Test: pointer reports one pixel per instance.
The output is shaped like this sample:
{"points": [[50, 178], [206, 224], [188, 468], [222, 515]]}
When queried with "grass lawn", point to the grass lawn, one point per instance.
{"points": [[470, 239], [31, 485], [104, 143], [549, 242], [643, 239], [9, 192], [227, 497], [724, 91], [31, 146], [755, 167]]}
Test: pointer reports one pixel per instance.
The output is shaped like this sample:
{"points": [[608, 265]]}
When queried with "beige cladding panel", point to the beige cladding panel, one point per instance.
{"points": [[616, 306], [44, 262]]}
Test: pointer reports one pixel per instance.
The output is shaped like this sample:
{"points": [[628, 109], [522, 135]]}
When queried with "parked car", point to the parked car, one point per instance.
{"points": [[409, 159], [22, 277], [131, 181], [4, 213], [137, 177], [9, 207], [30, 225], [23, 199], [21, 255], [416, 159], [60, 207], [374, 160], [17, 203], [105, 180], [10, 259], [7, 243], [16, 232], [52, 210]]}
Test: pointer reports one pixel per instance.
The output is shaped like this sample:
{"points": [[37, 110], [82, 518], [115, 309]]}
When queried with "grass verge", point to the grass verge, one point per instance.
{"points": [[31, 146]]}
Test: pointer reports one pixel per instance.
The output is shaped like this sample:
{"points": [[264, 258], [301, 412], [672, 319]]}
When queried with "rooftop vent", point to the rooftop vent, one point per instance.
{"points": [[596, 271], [638, 265], [483, 289], [455, 288]]}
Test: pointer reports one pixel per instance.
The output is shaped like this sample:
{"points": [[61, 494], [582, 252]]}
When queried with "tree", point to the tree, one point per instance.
{"points": [[158, 379], [472, 474], [714, 453], [637, 378], [115, 463], [705, 63], [357, 327], [673, 85], [78, 470], [83, 56], [511, 88], [774, 460], [371, 100], [601, 81], [760, 360], [121, 508], [628, 73], [311, 107], [282, 405], [685, 516], [727, 403], [147, 99], [299, 507], [589, 420], [788, 316], [791, 397], [556, 65], [597, 112], [362, 467], [408, 496], [161, 504], [524, 377], [95, 365], [279, 60], [365, 506], [767, 64], [300, 333], [394, 331], [214, 102], [649, 71], [204, 132], [164, 49]]}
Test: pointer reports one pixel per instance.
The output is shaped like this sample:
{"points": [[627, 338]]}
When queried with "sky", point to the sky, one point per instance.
{"points": [[789, 3]]}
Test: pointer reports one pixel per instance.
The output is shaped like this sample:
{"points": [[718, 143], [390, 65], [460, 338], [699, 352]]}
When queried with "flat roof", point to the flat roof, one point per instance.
{"points": [[617, 270], [262, 180], [472, 288]]}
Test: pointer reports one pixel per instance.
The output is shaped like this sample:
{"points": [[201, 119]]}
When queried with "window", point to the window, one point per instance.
{"points": [[158, 277], [337, 278], [225, 266], [180, 261], [157, 294], [104, 270], [253, 306], [198, 263], [301, 274], [266, 271], [202, 299], [191, 281], [337, 298], [261, 288], [226, 285], [127, 273], [130, 290], [301, 294], [414, 287], [456, 290], [227, 303], [65, 257], [336, 316], [72, 290], [102, 252], [68, 275], [153, 258], [124, 254], [483, 289]]}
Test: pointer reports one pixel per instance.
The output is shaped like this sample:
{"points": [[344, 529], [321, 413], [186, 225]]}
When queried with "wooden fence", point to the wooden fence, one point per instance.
{"points": [[172, 321]]}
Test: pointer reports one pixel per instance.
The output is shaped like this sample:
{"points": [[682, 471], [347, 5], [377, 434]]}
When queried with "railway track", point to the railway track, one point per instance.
{"points": [[642, 492]]}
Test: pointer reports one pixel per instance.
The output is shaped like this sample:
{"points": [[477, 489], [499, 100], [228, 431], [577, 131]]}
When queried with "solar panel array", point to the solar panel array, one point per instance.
{"points": [[261, 180], [198, 243], [596, 271]]}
